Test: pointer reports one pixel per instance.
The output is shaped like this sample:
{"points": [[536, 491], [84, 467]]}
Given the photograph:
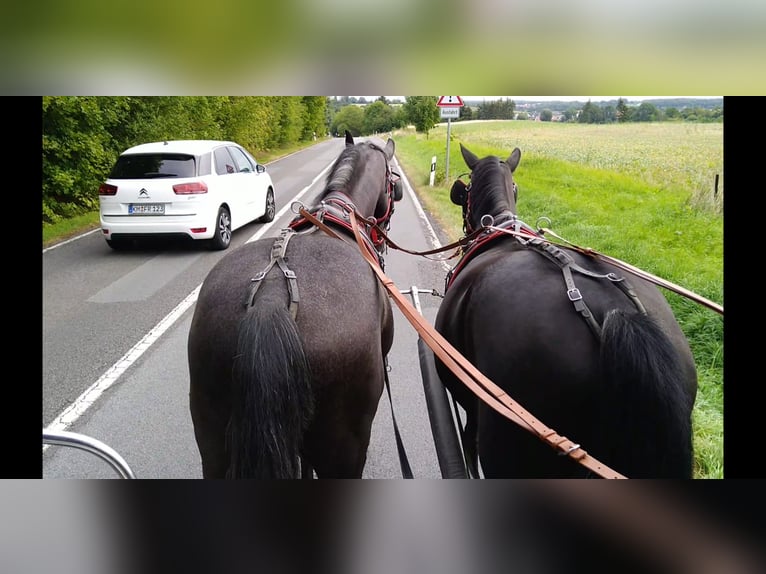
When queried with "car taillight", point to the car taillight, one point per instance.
{"points": [[106, 189], [190, 188]]}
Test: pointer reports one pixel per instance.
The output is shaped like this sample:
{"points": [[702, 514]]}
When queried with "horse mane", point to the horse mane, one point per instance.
{"points": [[343, 174], [488, 191]]}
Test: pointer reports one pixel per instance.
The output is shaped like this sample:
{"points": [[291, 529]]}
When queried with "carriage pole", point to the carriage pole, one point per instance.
{"points": [[448, 449]]}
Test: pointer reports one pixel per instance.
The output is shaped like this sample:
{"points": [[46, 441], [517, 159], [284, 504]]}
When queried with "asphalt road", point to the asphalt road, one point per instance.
{"points": [[115, 326]]}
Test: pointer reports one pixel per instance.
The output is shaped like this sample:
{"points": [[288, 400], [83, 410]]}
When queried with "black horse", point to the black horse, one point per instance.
{"points": [[289, 337], [592, 352]]}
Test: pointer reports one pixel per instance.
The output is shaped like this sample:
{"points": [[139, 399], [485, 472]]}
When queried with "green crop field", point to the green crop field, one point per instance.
{"points": [[648, 194]]}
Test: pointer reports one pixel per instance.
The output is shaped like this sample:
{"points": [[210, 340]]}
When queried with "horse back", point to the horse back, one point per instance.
{"points": [[515, 291], [337, 292]]}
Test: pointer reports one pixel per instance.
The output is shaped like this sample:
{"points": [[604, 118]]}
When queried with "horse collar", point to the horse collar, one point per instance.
{"points": [[337, 212], [480, 243]]}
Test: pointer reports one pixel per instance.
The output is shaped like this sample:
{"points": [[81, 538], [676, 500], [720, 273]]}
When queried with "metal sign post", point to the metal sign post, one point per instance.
{"points": [[449, 107], [446, 171]]}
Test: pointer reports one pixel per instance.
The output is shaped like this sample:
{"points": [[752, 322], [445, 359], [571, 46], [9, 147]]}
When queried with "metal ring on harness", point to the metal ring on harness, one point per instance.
{"points": [[542, 218], [298, 210], [489, 218]]}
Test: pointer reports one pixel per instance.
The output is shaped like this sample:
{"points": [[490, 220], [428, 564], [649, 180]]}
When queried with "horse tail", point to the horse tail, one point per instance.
{"points": [[272, 398], [646, 412]]}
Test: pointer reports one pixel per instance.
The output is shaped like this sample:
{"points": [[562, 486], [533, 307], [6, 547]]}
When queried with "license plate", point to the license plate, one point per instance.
{"points": [[146, 208]]}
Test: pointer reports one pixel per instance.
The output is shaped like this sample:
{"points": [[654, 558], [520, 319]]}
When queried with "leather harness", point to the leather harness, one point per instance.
{"points": [[530, 238], [495, 397], [334, 208], [278, 250]]}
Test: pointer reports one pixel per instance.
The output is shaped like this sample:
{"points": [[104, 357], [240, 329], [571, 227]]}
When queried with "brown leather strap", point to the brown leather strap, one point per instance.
{"points": [[321, 225], [485, 389], [458, 245], [642, 274]]}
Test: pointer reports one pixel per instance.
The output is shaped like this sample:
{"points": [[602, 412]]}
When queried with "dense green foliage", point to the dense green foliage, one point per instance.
{"points": [[83, 135], [496, 110], [422, 112], [624, 190]]}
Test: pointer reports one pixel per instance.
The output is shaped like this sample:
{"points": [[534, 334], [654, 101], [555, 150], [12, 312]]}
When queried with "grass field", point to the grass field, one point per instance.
{"points": [[643, 193]]}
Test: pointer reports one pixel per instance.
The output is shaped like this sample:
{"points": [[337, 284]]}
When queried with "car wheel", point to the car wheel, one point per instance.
{"points": [[222, 237], [271, 208]]}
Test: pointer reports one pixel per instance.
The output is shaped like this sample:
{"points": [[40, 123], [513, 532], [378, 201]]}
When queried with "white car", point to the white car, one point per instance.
{"points": [[184, 189]]}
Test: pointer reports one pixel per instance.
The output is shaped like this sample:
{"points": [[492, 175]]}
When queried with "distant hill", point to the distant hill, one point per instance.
{"points": [[563, 105]]}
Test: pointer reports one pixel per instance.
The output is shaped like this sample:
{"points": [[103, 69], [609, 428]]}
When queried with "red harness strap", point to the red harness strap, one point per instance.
{"points": [[475, 248], [330, 214]]}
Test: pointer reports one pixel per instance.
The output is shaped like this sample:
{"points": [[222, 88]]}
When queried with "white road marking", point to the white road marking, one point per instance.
{"points": [[435, 243], [71, 239]]}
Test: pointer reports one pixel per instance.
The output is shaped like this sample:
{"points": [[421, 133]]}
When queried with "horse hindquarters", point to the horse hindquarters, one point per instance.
{"points": [[272, 401], [647, 407]]}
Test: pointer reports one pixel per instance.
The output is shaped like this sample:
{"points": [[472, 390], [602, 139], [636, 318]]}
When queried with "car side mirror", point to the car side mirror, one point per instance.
{"points": [[260, 168]]}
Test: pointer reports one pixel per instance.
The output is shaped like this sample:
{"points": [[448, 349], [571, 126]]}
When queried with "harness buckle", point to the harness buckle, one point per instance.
{"points": [[574, 294], [570, 450], [259, 276], [289, 273]]}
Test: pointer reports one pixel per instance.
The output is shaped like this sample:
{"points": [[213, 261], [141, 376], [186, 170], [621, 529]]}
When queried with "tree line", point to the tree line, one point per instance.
{"points": [[643, 112], [83, 135]]}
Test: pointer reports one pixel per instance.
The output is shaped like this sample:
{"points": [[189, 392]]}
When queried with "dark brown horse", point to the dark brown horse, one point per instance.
{"points": [[591, 351], [289, 337]]}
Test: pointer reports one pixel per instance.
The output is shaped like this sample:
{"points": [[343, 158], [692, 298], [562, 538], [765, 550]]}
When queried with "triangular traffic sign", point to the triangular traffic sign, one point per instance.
{"points": [[449, 101]]}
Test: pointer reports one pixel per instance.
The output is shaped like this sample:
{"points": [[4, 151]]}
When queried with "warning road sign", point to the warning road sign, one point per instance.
{"points": [[449, 101]]}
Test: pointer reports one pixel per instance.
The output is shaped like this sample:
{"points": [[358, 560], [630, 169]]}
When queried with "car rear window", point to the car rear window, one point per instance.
{"points": [[146, 166]]}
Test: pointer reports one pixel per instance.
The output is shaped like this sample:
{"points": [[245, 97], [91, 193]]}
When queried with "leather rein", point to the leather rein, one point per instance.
{"points": [[495, 397], [470, 376]]}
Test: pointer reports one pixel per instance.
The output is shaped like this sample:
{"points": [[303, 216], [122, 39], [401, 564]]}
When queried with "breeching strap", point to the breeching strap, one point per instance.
{"points": [[480, 385], [278, 250], [642, 274]]}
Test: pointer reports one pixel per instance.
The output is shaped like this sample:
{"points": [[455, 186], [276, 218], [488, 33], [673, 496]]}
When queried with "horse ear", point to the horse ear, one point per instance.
{"points": [[513, 159], [389, 150], [349, 138], [470, 158]]}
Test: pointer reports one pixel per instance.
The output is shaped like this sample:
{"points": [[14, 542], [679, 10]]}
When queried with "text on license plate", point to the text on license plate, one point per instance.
{"points": [[147, 208]]}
